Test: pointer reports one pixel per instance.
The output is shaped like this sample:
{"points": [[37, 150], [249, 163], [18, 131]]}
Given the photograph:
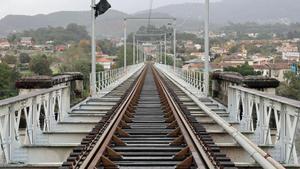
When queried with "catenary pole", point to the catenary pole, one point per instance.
{"points": [[133, 48], [93, 73], [174, 47], [207, 58], [125, 45], [165, 49]]}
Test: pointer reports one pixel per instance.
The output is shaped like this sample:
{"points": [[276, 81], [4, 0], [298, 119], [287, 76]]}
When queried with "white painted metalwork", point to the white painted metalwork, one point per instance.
{"points": [[125, 43], [25, 116], [194, 78], [174, 45], [206, 43], [93, 71], [261, 157], [273, 119], [109, 77]]}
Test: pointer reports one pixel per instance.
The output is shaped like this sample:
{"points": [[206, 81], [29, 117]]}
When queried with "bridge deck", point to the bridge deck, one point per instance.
{"points": [[149, 142]]}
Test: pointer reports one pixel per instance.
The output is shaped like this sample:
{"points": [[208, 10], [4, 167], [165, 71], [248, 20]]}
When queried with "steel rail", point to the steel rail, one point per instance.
{"points": [[261, 157], [93, 159], [201, 158]]}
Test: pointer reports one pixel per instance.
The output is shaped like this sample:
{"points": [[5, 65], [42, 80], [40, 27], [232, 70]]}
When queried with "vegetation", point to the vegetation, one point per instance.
{"points": [[24, 58], [8, 76], [107, 47], [291, 87], [244, 70], [9, 59], [40, 65], [77, 59], [59, 35], [129, 56], [264, 50]]}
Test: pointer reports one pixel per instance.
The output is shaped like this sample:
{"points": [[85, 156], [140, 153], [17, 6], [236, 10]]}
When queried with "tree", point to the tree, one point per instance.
{"points": [[8, 77], [291, 87], [244, 70], [40, 65], [170, 60], [234, 49], [107, 47], [10, 59], [129, 56], [60, 35], [24, 58]]}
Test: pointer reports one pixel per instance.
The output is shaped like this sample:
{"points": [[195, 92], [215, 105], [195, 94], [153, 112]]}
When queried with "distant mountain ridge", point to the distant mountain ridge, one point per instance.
{"points": [[189, 16]]}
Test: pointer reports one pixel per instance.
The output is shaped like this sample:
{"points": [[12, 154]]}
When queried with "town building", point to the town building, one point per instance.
{"points": [[26, 41], [218, 50], [237, 59], [259, 59], [276, 70], [198, 46], [189, 45], [105, 62], [292, 56], [4, 44]]}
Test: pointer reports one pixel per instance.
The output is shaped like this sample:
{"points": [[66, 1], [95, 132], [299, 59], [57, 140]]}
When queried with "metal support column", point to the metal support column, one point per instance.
{"points": [[93, 71], [206, 71], [174, 50], [125, 45], [165, 49], [133, 48], [160, 52], [137, 52]]}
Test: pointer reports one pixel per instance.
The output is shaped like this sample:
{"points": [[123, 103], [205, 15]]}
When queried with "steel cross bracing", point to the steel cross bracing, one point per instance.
{"points": [[256, 130], [44, 119]]}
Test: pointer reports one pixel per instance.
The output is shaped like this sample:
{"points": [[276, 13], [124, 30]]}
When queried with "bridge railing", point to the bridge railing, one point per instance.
{"points": [[24, 116], [273, 119], [194, 78], [106, 78]]}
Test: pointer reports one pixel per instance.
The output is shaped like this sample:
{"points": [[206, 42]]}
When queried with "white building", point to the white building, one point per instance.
{"points": [[106, 63], [26, 41], [4, 44], [291, 56], [198, 46]]}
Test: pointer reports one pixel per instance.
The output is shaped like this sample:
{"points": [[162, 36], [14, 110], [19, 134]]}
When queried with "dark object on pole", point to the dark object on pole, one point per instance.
{"points": [[101, 7]]}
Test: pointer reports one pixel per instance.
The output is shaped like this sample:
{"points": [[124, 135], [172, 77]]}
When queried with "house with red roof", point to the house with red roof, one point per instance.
{"points": [[4, 44], [105, 62], [274, 70]]}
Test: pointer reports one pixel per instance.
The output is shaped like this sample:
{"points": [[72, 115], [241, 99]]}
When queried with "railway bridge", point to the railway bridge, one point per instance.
{"points": [[149, 115]]}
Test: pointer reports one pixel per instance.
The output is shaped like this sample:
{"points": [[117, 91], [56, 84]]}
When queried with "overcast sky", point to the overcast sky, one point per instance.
{"points": [[33, 7]]}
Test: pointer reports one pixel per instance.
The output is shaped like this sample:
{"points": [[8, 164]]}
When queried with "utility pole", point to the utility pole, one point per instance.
{"points": [[125, 45], [207, 57], [165, 49], [133, 49], [137, 52], [160, 52], [93, 73], [145, 58], [174, 50]]}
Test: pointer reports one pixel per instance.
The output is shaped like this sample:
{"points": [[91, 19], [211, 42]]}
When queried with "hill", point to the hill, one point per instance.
{"points": [[237, 11], [189, 15]]}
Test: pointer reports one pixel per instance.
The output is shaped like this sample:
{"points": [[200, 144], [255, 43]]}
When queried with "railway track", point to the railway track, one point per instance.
{"points": [[149, 128]]}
